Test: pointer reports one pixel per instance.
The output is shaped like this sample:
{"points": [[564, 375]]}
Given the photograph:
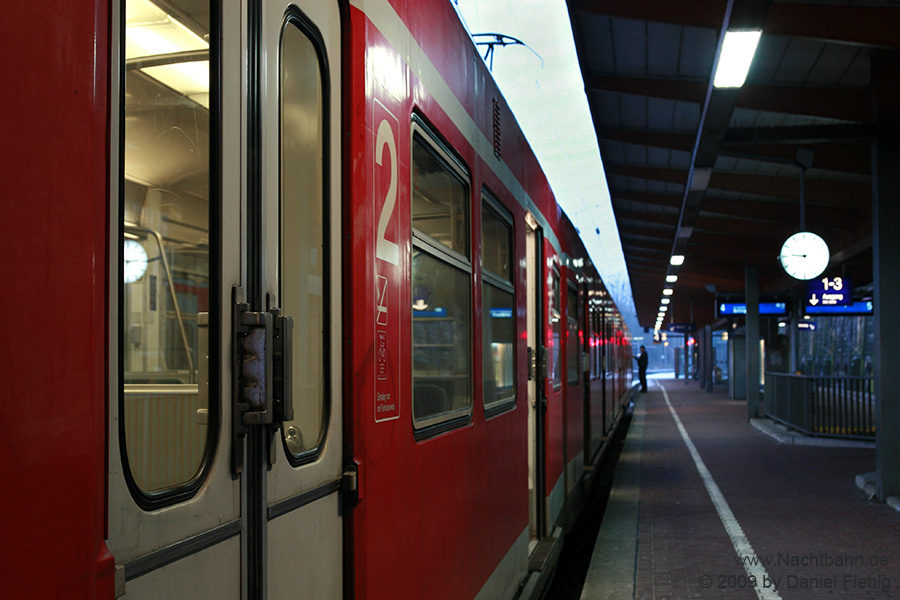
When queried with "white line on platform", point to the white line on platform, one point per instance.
{"points": [[765, 586]]}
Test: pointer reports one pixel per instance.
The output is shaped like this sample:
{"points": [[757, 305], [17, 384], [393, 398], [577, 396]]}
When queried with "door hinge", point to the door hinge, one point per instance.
{"points": [[261, 372]]}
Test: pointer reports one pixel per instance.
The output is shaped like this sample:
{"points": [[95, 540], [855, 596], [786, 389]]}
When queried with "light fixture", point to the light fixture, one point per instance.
{"points": [[663, 308], [677, 260], [665, 300], [671, 278], [737, 53], [668, 292], [166, 50]]}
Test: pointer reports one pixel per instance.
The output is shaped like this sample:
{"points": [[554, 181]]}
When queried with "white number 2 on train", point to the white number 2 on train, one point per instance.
{"points": [[384, 249]]}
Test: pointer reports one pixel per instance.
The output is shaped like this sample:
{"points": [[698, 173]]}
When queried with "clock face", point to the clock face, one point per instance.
{"points": [[804, 255], [135, 260]]}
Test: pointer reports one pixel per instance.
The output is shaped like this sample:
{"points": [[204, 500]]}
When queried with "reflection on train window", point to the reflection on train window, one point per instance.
{"points": [[302, 274], [165, 297], [573, 340], [555, 332], [440, 199], [498, 306], [496, 241], [441, 287]]}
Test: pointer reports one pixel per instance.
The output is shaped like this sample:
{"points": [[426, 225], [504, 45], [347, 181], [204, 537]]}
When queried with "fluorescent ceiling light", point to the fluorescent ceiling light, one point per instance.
{"points": [[677, 260], [668, 292], [151, 32], [663, 308], [665, 300], [734, 61], [671, 278]]}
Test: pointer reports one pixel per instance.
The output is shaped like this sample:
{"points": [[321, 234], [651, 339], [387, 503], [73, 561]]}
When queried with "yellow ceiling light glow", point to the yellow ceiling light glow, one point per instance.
{"points": [[152, 33]]}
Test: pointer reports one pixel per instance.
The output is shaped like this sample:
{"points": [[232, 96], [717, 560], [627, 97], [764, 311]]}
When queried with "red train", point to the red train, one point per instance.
{"points": [[291, 310]]}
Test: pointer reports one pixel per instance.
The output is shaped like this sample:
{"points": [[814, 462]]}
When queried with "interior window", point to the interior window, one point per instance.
{"points": [[498, 306], [441, 285], [302, 269], [165, 204]]}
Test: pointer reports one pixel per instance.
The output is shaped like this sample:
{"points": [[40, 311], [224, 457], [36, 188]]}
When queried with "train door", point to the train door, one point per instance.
{"points": [[294, 474], [225, 409], [537, 357]]}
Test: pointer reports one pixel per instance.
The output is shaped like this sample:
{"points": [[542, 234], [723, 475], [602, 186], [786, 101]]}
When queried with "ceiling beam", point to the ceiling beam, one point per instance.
{"points": [[847, 104], [654, 173], [696, 13], [808, 134], [829, 192], [668, 200], [685, 90], [847, 158], [654, 139], [850, 24], [669, 219]]}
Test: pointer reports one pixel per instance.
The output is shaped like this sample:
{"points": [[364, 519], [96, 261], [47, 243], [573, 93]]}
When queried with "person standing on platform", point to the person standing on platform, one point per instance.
{"points": [[642, 359]]}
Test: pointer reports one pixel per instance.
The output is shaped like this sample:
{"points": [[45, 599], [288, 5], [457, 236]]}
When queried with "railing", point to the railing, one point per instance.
{"points": [[822, 406]]}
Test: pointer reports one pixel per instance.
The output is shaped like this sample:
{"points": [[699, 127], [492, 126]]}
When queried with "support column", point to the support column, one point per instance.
{"points": [[794, 336], [751, 293], [886, 257], [710, 359]]}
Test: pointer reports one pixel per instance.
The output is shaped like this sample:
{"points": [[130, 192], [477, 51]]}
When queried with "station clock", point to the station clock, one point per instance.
{"points": [[804, 255]]}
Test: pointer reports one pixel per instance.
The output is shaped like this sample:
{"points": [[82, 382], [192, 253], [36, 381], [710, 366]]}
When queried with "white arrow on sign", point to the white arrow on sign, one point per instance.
{"points": [[813, 301]]}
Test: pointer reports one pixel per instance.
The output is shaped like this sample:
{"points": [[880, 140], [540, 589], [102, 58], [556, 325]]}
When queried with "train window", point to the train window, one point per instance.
{"points": [[573, 339], [165, 416], [302, 270], [440, 199], [441, 285], [555, 331], [496, 240], [498, 306]]}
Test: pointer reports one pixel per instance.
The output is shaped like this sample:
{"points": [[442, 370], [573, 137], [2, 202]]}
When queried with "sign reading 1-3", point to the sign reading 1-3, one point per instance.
{"points": [[829, 291]]}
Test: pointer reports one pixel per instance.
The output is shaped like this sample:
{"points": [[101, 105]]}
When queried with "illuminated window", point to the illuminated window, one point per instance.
{"points": [[573, 339], [498, 306], [441, 284], [555, 332]]}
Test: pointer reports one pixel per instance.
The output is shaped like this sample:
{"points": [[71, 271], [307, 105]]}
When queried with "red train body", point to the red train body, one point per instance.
{"points": [[457, 362]]}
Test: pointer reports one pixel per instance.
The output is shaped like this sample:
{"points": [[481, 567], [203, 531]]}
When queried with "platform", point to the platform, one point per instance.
{"points": [[705, 504]]}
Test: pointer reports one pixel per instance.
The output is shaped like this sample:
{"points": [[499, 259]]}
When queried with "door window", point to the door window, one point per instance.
{"points": [[573, 339], [555, 332], [166, 247], [303, 258]]}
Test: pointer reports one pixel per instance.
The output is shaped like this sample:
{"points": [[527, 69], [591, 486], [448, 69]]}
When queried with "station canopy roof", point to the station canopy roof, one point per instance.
{"points": [[714, 174]]}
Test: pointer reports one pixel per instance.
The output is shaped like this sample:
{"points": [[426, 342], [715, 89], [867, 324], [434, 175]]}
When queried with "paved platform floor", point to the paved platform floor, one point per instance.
{"points": [[706, 505]]}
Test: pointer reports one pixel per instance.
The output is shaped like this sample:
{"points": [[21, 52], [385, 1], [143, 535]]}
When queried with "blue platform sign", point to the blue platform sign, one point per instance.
{"points": [[740, 308], [682, 327], [865, 307], [829, 291]]}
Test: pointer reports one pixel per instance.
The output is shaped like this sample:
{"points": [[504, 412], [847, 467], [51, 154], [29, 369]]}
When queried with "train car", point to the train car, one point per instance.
{"points": [[297, 304]]}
